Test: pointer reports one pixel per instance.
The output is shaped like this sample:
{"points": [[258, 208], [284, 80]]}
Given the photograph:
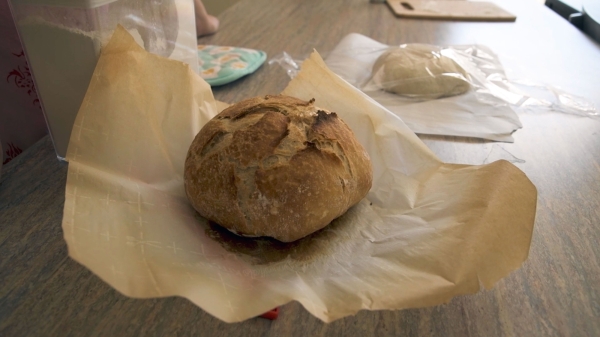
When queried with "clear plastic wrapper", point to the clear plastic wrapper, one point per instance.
{"points": [[418, 71], [484, 110], [540, 97], [165, 27], [63, 40], [436, 75], [289, 64]]}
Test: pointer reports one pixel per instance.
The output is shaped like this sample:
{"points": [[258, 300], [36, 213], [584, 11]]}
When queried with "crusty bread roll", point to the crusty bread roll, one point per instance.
{"points": [[276, 166], [419, 71]]}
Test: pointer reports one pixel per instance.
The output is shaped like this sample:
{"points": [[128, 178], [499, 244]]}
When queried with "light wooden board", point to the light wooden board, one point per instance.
{"points": [[450, 10]]}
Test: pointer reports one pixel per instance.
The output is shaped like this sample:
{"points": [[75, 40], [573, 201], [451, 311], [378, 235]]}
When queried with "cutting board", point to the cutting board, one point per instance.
{"points": [[450, 10]]}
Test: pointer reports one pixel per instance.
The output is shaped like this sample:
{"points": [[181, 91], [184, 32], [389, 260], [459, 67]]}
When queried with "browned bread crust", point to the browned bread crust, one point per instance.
{"points": [[276, 166]]}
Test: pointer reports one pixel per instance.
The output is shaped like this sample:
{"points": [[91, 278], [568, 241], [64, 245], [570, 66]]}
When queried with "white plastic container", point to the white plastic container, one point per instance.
{"points": [[63, 40]]}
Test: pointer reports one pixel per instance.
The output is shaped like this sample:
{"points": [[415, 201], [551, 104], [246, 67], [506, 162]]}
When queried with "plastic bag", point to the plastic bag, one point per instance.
{"points": [[486, 110], [483, 111], [63, 40], [162, 27], [290, 65], [473, 68], [418, 71], [540, 97]]}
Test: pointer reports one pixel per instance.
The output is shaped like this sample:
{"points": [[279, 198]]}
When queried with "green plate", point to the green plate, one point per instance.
{"points": [[221, 65]]}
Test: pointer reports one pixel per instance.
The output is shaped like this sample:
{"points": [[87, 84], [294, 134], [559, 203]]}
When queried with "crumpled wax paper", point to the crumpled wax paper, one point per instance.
{"points": [[426, 232], [485, 111]]}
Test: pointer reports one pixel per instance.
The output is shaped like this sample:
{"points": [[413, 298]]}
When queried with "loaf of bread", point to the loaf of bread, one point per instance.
{"points": [[276, 166]]}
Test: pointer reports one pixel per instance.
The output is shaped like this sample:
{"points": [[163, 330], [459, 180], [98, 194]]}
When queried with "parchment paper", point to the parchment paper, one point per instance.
{"points": [[427, 231], [483, 112]]}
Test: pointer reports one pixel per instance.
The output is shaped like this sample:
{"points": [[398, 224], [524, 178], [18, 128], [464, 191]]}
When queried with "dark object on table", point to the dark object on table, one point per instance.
{"points": [[585, 17]]}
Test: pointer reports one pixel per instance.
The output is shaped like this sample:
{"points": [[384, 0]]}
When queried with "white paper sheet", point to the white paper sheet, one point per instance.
{"points": [[483, 112]]}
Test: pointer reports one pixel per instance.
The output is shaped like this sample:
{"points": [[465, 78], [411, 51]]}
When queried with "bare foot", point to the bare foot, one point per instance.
{"points": [[206, 24]]}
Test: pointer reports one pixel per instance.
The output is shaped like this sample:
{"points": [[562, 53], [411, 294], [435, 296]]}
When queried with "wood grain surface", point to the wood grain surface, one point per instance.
{"points": [[445, 10], [556, 292]]}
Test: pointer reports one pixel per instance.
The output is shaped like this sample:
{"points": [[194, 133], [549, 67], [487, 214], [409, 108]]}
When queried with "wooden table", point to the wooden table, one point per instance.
{"points": [[556, 292]]}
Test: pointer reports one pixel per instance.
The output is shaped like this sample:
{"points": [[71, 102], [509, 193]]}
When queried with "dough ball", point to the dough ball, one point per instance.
{"points": [[419, 71]]}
